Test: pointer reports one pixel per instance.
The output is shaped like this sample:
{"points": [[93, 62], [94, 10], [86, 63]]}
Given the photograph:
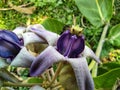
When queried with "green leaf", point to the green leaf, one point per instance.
{"points": [[108, 66], [98, 12], [53, 25], [108, 79], [114, 35], [33, 80]]}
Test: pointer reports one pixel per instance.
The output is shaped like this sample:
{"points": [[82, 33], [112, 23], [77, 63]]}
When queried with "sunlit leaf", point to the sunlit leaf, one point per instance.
{"points": [[107, 79], [53, 25], [98, 12], [33, 80], [114, 35]]}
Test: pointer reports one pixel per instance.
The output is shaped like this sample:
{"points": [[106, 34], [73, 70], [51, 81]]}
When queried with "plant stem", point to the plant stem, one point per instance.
{"points": [[20, 84], [56, 73], [93, 65]]}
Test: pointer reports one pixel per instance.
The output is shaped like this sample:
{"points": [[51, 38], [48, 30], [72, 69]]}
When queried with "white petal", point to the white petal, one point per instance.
{"points": [[19, 31], [30, 37], [45, 60], [82, 73], [36, 87], [89, 53], [23, 59], [50, 37], [35, 26]]}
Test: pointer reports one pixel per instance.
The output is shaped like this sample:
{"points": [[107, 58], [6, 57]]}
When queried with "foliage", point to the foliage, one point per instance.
{"points": [[98, 12], [93, 15]]}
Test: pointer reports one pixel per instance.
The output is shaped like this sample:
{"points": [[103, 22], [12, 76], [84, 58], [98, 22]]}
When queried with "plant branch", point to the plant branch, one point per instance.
{"points": [[93, 65], [20, 84], [56, 73]]}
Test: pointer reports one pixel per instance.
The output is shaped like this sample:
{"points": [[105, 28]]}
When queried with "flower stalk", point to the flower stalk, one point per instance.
{"points": [[56, 73], [93, 65]]}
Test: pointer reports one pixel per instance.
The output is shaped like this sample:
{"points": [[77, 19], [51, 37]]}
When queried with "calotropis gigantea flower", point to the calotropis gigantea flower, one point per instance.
{"points": [[70, 47], [12, 49], [49, 38], [9, 42]]}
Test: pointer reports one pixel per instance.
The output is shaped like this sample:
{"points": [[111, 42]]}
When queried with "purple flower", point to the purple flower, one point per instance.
{"points": [[69, 47], [10, 44], [12, 49]]}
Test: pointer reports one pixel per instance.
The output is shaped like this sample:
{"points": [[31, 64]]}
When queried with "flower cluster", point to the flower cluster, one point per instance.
{"points": [[68, 47]]}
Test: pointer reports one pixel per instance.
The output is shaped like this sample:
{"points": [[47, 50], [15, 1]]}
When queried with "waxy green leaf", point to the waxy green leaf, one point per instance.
{"points": [[105, 67], [33, 80], [108, 79], [53, 25], [114, 35], [98, 12]]}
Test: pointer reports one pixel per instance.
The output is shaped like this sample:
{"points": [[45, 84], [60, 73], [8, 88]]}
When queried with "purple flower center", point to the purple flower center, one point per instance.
{"points": [[70, 45]]}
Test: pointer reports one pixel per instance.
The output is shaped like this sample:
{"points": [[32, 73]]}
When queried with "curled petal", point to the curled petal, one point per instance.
{"points": [[9, 44], [50, 37], [9, 36], [30, 37], [82, 74], [28, 29], [19, 31], [89, 53], [23, 59], [45, 60]]}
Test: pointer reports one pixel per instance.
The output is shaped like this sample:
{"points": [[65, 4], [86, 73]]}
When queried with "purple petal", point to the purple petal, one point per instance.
{"points": [[63, 41], [9, 44], [70, 45], [45, 60], [9, 36], [82, 73], [50, 37]]}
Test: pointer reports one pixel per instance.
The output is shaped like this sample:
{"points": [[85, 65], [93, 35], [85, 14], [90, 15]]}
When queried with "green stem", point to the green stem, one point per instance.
{"points": [[7, 84], [56, 73], [20, 84], [93, 65]]}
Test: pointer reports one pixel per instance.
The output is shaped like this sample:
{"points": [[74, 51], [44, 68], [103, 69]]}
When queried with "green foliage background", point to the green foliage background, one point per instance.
{"points": [[63, 11]]}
